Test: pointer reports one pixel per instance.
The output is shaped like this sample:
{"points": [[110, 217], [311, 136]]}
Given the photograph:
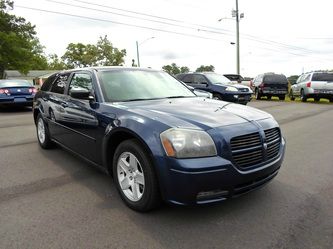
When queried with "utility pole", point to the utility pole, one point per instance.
{"points": [[237, 39], [137, 53]]}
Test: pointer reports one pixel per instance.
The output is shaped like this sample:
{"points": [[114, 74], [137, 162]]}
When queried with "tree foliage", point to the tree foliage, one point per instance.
{"points": [[203, 68], [101, 54], [56, 63], [292, 79], [174, 69], [20, 48]]}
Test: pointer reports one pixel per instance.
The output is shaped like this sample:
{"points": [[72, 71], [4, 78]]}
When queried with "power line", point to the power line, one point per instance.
{"points": [[125, 15], [133, 25], [116, 22], [207, 28]]}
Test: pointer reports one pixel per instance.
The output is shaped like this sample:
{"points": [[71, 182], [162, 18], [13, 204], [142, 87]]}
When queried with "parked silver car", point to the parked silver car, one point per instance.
{"points": [[314, 85]]}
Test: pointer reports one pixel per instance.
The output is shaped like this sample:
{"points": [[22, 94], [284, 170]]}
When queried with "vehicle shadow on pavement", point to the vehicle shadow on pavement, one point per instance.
{"points": [[232, 221], [15, 109]]}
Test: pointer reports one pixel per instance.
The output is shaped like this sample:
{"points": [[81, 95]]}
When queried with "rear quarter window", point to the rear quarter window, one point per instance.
{"points": [[275, 79], [322, 77]]}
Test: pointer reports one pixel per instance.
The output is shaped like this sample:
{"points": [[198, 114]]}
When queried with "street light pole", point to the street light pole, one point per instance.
{"points": [[237, 39], [137, 49], [137, 53]]}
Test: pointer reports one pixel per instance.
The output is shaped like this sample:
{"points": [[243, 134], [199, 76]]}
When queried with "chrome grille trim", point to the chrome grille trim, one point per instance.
{"points": [[248, 150]]}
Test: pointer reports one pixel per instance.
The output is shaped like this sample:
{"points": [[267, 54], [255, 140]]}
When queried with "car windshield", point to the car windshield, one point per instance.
{"points": [[323, 77], [132, 85], [215, 78], [14, 83], [275, 78]]}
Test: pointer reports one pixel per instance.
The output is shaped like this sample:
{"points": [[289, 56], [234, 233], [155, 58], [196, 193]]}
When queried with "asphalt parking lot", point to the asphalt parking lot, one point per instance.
{"points": [[51, 199]]}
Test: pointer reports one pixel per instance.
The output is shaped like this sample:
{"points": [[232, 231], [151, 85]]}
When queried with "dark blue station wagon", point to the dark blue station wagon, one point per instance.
{"points": [[156, 138]]}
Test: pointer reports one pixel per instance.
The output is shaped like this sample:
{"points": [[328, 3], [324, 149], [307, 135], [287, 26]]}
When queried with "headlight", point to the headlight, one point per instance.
{"points": [[231, 89], [184, 143]]}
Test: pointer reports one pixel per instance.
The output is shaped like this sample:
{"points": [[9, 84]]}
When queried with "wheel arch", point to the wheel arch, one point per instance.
{"points": [[112, 141]]}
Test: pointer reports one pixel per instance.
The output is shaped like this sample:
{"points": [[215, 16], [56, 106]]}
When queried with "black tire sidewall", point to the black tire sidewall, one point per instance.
{"points": [[150, 197]]}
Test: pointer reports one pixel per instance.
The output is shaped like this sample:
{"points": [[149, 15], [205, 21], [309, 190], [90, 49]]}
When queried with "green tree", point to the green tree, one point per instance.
{"points": [[203, 68], [101, 54], [56, 63], [174, 69], [108, 55], [20, 48], [184, 69], [292, 79]]}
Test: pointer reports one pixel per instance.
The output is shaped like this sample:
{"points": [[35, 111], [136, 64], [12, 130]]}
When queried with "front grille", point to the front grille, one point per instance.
{"points": [[273, 140], [248, 150], [243, 89]]}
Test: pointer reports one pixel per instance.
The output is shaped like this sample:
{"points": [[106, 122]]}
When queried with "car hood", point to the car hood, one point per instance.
{"points": [[194, 112]]}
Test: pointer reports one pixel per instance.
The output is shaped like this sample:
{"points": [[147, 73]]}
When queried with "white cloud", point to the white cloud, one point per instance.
{"points": [[276, 35]]}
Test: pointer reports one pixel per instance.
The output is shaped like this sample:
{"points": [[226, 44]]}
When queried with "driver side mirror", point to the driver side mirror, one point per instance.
{"points": [[80, 93]]}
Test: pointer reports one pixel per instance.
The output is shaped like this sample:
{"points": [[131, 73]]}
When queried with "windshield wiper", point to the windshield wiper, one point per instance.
{"points": [[128, 100], [175, 97]]}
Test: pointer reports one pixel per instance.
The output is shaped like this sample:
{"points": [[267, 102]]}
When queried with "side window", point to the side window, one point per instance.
{"points": [[307, 78], [299, 79], [60, 84], [260, 78], [81, 81], [48, 83], [188, 78], [199, 79]]}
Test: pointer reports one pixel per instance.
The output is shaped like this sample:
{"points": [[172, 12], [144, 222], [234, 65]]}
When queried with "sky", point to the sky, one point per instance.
{"points": [[280, 36]]}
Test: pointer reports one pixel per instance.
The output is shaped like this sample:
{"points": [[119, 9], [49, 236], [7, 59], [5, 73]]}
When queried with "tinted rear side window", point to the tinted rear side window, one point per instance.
{"points": [[48, 83], [322, 77], [276, 78], [188, 78], [60, 84]]}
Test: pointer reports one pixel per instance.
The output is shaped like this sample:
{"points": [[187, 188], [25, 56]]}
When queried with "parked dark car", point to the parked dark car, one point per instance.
{"points": [[217, 84], [156, 138], [16, 92], [270, 84]]}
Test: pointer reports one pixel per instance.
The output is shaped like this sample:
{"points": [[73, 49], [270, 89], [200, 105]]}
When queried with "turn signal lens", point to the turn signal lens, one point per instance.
{"points": [[168, 148], [308, 84]]}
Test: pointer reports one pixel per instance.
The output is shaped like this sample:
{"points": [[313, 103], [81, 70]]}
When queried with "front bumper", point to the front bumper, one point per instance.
{"points": [[237, 97], [189, 183]]}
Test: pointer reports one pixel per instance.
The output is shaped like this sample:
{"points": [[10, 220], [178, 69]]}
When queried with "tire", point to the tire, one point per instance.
{"points": [[291, 95], [43, 134], [217, 96], [269, 97], [257, 94], [331, 100], [316, 99], [303, 97], [283, 97], [133, 170]]}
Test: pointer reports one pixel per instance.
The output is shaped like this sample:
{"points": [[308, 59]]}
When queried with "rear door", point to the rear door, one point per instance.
{"points": [[55, 103]]}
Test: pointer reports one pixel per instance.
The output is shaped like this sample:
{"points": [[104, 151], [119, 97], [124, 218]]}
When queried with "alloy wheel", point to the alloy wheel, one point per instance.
{"points": [[130, 176], [41, 130]]}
